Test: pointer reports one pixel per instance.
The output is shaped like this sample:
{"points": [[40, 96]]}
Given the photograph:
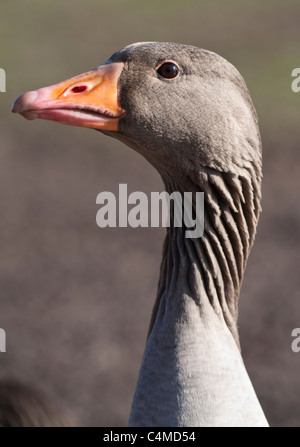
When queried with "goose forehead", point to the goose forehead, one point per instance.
{"points": [[142, 50], [150, 53]]}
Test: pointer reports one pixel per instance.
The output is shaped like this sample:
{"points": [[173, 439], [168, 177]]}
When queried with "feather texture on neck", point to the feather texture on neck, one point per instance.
{"points": [[192, 371]]}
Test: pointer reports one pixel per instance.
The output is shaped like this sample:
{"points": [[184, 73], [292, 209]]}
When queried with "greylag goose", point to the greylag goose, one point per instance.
{"points": [[189, 113]]}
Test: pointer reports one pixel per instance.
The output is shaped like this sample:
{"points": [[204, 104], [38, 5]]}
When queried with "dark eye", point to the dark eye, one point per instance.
{"points": [[168, 70]]}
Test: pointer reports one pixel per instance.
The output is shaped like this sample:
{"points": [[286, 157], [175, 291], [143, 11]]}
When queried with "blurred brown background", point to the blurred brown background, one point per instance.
{"points": [[76, 299]]}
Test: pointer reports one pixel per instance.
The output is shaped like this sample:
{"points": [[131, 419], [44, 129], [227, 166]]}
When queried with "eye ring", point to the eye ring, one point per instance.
{"points": [[168, 70]]}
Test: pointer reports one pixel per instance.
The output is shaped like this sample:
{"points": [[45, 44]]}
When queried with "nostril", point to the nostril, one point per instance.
{"points": [[79, 89]]}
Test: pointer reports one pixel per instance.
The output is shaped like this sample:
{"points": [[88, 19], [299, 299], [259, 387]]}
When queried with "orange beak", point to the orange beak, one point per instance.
{"points": [[88, 100]]}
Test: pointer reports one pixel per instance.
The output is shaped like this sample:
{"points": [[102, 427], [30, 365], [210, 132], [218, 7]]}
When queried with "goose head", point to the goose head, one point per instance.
{"points": [[181, 107]]}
